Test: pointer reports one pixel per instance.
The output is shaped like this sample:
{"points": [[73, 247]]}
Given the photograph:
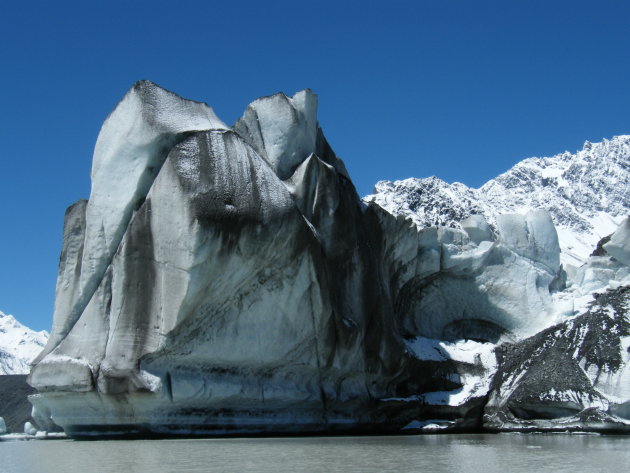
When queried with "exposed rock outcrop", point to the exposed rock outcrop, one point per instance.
{"points": [[14, 405], [572, 376]]}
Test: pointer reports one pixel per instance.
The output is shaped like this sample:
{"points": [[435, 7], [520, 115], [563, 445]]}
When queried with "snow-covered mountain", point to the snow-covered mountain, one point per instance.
{"points": [[587, 195], [19, 345]]}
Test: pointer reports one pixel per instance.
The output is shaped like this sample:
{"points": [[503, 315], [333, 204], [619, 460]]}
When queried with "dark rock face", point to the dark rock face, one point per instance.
{"points": [[15, 408], [599, 249], [571, 376]]}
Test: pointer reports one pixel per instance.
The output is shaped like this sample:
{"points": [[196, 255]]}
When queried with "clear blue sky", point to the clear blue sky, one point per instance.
{"points": [[458, 89]]}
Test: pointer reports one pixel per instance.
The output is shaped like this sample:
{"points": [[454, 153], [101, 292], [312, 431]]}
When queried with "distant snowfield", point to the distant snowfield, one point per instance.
{"points": [[19, 345]]}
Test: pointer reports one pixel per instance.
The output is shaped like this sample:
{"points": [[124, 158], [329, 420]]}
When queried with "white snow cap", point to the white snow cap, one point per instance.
{"points": [[19, 345], [587, 195]]}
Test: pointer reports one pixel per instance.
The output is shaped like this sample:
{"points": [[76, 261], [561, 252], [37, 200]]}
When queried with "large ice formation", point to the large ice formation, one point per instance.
{"points": [[230, 280]]}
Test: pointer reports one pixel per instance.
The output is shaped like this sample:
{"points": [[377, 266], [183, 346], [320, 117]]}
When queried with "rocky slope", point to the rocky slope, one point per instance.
{"points": [[586, 193], [19, 345], [230, 280], [14, 406], [571, 376]]}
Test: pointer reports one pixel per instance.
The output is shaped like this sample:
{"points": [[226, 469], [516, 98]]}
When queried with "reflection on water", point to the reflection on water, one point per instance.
{"points": [[428, 453]]}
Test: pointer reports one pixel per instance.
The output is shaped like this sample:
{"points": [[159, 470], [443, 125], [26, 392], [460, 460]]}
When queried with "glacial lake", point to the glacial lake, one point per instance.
{"points": [[505, 453]]}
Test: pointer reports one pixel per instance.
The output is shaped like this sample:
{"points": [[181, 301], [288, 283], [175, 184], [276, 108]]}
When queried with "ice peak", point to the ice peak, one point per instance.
{"points": [[296, 98], [282, 129]]}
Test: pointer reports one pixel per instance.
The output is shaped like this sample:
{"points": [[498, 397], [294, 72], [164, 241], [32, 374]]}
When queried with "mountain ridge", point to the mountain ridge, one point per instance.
{"points": [[19, 345], [586, 193]]}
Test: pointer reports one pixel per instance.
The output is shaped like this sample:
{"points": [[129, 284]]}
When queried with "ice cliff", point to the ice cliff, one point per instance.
{"points": [[230, 280]]}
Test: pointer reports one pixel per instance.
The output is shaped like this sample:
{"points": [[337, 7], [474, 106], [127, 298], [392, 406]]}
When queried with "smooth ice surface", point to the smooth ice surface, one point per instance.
{"points": [[129, 152], [532, 236], [477, 228], [503, 287], [619, 245], [283, 130], [30, 429]]}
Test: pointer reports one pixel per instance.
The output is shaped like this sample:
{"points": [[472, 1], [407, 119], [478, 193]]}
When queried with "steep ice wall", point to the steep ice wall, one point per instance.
{"points": [[452, 285], [282, 130], [130, 150], [619, 245]]}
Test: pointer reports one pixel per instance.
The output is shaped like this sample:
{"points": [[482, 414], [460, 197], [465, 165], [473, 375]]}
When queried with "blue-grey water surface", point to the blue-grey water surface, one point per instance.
{"points": [[486, 453]]}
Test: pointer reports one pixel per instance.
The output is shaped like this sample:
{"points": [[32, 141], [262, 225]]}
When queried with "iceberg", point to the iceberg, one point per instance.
{"points": [[229, 280]]}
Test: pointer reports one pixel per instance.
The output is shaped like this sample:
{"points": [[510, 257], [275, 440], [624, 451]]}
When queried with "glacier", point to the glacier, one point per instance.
{"points": [[229, 280]]}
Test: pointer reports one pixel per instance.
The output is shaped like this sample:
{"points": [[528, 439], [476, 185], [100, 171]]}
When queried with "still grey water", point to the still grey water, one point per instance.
{"points": [[486, 453]]}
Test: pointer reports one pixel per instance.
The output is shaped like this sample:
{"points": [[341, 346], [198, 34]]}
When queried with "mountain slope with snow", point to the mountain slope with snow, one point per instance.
{"points": [[586, 193], [19, 345]]}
